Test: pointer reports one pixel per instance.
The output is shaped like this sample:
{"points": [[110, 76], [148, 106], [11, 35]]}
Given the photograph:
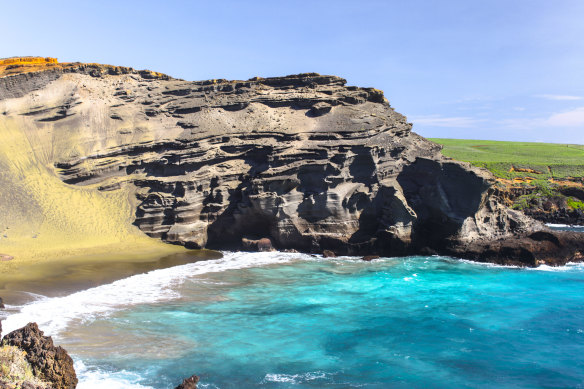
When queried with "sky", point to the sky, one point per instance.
{"points": [[475, 69]]}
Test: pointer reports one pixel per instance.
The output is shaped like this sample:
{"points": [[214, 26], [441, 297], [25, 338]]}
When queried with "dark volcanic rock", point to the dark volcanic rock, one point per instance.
{"points": [[370, 258], [189, 383], [538, 248], [303, 160], [49, 363], [328, 254]]}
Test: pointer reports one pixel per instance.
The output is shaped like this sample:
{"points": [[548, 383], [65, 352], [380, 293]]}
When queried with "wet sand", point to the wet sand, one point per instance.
{"points": [[60, 277]]}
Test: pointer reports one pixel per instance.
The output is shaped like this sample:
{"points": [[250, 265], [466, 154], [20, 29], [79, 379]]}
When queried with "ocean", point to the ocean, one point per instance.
{"points": [[282, 320]]}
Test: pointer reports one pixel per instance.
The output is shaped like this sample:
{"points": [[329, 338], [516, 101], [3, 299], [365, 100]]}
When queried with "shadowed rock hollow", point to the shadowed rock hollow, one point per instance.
{"points": [[303, 160]]}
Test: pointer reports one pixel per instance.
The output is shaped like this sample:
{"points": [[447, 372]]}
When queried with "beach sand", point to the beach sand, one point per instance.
{"points": [[62, 276]]}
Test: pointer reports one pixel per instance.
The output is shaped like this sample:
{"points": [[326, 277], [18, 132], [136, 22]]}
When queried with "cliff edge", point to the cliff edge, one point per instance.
{"points": [[304, 160]]}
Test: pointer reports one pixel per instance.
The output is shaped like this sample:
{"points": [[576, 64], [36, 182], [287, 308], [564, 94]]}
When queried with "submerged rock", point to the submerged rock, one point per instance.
{"points": [[303, 160], [49, 363]]}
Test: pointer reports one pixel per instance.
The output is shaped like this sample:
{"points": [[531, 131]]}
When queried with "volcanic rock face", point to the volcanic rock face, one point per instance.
{"points": [[303, 160]]}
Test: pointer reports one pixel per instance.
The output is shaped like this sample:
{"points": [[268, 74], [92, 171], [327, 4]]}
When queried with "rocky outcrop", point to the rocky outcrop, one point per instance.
{"points": [[304, 160], [189, 383], [538, 248], [558, 204], [49, 363]]}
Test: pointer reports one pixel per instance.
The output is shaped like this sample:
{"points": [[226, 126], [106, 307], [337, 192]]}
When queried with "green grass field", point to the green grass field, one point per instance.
{"points": [[547, 160]]}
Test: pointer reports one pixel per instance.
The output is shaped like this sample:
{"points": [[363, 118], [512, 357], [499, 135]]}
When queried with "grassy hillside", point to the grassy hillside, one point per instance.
{"points": [[523, 160], [553, 172]]}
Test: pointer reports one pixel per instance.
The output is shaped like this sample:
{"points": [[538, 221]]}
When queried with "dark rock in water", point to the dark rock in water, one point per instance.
{"points": [[369, 258], [262, 245], [539, 248], [328, 254], [304, 160], [2, 303], [49, 363], [189, 383]]}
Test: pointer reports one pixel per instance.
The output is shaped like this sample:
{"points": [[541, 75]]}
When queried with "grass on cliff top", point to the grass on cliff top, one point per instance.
{"points": [[517, 160]]}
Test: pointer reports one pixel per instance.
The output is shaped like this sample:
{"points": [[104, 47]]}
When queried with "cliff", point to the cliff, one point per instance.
{"points": [[303, 160]]}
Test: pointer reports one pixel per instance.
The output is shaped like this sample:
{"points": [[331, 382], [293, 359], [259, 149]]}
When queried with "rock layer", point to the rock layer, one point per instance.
{"points": [[304, 160]]}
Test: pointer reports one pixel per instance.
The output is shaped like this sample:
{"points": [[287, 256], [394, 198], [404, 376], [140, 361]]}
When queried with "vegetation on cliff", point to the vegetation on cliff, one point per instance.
{"points": [[544, 180]]}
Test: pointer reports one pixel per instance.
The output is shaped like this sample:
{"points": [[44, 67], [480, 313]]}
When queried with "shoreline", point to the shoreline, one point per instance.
{"points": [[57, 272], [69, 274], [64, 274]]}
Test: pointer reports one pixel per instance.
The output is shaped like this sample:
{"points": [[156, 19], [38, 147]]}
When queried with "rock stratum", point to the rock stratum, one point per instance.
{"points": [[304, 160]]}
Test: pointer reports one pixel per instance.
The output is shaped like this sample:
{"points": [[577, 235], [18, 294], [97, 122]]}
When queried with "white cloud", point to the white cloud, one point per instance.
{"points": [[440, 121], [571, 118], [560, 97], [519, 124]]}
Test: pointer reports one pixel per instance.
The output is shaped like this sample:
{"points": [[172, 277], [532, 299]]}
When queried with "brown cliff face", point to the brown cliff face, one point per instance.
{"points": [[303, 160]]}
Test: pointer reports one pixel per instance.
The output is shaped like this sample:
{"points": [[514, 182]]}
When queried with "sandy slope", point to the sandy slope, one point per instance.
{"points": [[42, 218]]}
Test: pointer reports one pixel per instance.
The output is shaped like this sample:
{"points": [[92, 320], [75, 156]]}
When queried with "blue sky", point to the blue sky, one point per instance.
{"points": [[479, 69]]}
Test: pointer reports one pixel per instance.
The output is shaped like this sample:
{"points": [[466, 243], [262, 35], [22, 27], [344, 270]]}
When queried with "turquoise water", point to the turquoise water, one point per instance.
{"points": [[292, 321]]}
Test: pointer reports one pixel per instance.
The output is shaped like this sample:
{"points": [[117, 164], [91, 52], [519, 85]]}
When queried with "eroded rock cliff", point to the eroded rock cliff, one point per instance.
{"points": [[303, 160]]}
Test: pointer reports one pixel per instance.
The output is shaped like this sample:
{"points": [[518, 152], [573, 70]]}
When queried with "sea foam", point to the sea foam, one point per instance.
{"points": [[97, 379], [54, 314]]}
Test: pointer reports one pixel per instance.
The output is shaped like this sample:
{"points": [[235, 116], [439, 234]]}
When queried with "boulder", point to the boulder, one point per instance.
{"points": [[189, 383], [49, 363], [262, 245], [328, 254]]}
